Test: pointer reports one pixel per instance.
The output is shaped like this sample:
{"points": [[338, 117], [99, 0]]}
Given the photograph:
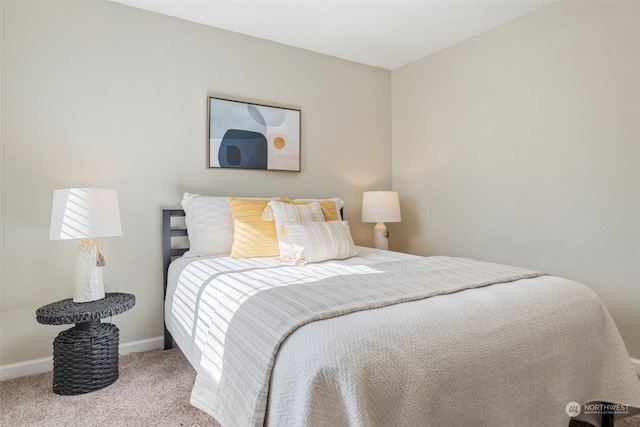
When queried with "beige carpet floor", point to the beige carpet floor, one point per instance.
{"points": [[153, 390]]}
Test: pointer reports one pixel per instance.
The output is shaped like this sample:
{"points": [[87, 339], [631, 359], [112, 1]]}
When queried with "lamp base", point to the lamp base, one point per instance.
{"points": [[381, 236], [89, 285]]}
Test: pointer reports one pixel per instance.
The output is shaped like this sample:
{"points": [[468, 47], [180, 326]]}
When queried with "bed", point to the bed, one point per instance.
{"points": [[507, 347]]}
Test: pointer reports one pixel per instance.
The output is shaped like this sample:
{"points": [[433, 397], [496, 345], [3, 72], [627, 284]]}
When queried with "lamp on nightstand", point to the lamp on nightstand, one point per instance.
{"points": [[85, 213], [380, 207]]}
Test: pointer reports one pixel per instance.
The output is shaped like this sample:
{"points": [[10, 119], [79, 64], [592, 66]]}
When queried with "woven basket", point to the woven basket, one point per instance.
{"points": [[85, 358]]}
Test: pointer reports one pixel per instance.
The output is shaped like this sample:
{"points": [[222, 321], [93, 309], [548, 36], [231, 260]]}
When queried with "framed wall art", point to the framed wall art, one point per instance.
{"points": [[252, 136]]}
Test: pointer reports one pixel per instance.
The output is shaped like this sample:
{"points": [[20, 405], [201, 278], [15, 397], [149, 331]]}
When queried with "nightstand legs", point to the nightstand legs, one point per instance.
{"points": [[85, 358]]}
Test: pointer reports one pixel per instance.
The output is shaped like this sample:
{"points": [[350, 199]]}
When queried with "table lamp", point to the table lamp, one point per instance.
{"points": [[85, 213], [380, 207]]}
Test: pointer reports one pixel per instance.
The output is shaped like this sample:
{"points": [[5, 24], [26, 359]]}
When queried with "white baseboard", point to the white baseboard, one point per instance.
{"points": [[38, 366], [22, 369], [142, 345], [636, 365]]}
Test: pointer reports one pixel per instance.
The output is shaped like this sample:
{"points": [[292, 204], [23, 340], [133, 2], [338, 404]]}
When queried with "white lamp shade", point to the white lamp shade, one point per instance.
{"points": [[78, 213], [380, 206]]}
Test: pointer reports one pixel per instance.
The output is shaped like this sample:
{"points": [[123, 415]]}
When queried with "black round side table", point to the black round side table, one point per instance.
{"points": [[85, 357]]}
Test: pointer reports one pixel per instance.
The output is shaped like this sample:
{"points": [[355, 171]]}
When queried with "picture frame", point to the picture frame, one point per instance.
{"points": [[242, 135]]}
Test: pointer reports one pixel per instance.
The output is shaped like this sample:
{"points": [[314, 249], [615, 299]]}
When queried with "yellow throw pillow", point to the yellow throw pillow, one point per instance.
{"points": [[253, 237]]}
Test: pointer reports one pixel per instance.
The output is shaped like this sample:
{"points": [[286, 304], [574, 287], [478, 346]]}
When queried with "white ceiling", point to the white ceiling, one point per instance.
{"points": [[381, 33]]}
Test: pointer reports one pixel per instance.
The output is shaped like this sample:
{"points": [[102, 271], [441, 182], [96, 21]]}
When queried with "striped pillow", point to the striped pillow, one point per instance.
{"points": [[317, 241], [285, 211], [331, 207]]}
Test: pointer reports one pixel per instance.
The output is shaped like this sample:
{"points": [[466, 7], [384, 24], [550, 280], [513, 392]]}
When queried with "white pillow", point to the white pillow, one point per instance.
{"points": [[290, 212], [339, 204], [209, 224], [316, 241], [283, 211]]}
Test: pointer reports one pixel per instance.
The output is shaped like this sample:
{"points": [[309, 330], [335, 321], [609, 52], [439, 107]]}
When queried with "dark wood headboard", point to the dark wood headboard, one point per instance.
{"points": [[169, 252]]}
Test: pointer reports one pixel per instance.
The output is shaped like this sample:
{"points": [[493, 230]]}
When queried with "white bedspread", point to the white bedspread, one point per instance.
{"points": [[508, 354]]}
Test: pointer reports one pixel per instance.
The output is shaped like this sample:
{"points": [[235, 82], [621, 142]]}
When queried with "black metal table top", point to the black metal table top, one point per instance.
{"points": [[66, 311]]}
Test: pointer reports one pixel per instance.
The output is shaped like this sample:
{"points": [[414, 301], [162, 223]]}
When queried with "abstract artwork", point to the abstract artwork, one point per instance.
{"points": [[253, 136]]}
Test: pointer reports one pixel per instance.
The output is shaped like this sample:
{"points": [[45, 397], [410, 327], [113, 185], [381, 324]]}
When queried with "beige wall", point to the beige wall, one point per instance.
{"points": [[522, 146], [100, 94], [519, 146]]}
